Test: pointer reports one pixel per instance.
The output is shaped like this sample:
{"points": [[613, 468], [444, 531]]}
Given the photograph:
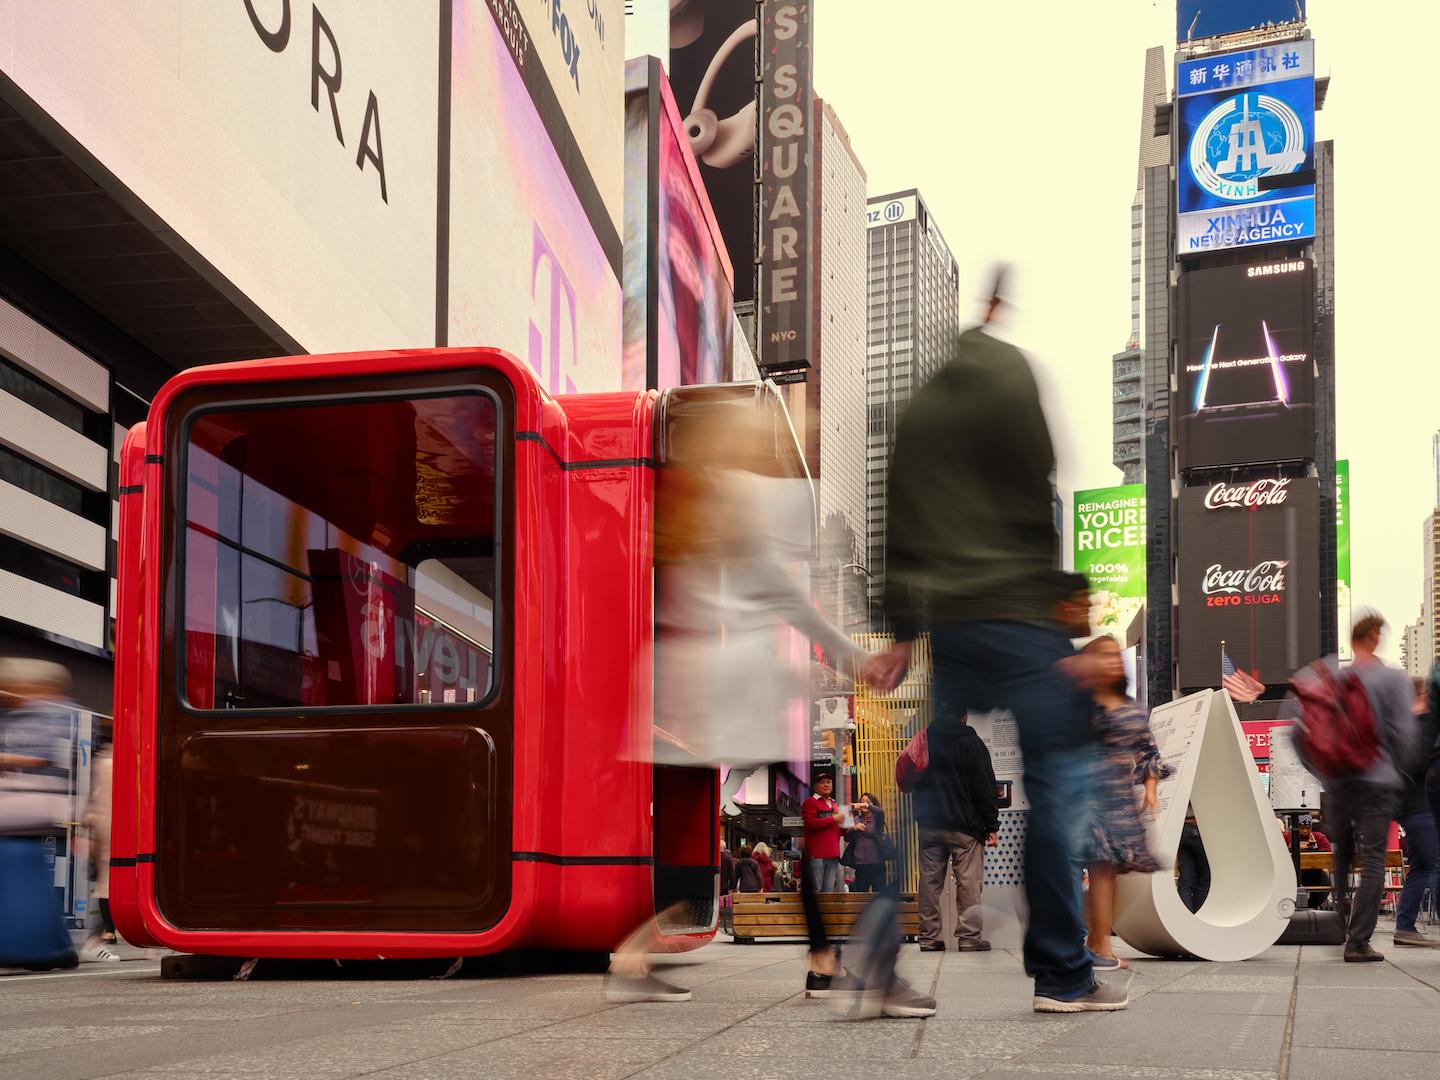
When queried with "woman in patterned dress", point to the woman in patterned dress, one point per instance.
{"points": [[1127, 757]]}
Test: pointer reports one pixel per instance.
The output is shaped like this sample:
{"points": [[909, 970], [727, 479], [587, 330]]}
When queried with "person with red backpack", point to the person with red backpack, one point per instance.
{"points": [[1354, 728]]}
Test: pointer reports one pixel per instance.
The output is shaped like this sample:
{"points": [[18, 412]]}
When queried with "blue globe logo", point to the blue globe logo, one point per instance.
{"points": [[1242, 139]]}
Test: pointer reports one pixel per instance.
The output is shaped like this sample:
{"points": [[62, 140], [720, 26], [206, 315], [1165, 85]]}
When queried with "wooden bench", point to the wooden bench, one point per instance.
{"points": [[772, 916], [1325, 860]]}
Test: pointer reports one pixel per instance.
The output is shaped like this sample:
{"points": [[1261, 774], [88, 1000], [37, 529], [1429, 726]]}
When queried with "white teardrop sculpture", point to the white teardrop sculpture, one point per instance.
{"points": [[1252, 880]]}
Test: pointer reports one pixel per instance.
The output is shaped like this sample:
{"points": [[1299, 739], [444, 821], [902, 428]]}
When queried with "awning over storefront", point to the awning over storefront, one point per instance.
{"points": [[65, 215]]}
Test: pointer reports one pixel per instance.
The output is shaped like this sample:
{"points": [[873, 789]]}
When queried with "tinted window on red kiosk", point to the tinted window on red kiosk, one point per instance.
{"points": [[1248, 579], [341, 554], [1246, 364]]}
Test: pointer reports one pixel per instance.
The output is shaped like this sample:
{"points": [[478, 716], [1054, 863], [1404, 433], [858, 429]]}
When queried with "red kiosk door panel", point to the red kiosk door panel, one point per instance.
{"points": [[335, 734]]}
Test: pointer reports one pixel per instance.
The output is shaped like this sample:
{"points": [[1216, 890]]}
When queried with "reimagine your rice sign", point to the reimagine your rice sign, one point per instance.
{"points": [[1109, 549]]}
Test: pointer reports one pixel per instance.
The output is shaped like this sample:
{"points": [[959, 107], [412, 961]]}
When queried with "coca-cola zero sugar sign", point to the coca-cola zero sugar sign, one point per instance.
{"points": [[1248, 579], [1263, 583]]}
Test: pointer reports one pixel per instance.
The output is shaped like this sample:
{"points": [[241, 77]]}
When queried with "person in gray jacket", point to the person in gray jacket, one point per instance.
{"points": [[1359, 808]]}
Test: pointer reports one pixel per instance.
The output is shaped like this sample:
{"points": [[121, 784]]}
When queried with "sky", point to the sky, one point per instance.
{"points": [[1020, 125]]}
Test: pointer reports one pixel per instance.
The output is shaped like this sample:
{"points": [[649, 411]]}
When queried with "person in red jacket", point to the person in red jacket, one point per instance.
{"points": [[823, 829], [766, 863]]}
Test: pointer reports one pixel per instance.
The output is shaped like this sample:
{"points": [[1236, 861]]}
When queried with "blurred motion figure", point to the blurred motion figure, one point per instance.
{"points": [[35, 750], [971, 551], [727, 528]]}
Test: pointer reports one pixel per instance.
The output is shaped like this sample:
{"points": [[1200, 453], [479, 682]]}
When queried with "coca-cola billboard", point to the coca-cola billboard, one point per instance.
{"points": [[1247, 364], [1251, 496], [1248, 579]]}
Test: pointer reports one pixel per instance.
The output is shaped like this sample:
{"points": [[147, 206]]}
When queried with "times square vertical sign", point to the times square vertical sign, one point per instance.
{"points": [[786, 138], [1245, 158]]}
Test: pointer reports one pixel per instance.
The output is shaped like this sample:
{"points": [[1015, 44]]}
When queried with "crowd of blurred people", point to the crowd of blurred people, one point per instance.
{"points": [[971, 558]]}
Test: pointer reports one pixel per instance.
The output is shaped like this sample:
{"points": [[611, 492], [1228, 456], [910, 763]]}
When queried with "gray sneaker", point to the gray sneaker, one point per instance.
{"points": [[851, 999], [622, 989], [904, 1000], [1102, 997], [1414, 937]]}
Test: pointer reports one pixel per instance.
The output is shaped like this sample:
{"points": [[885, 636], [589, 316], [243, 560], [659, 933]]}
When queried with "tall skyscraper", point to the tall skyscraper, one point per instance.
{"points": [[1416, 653], [836, 387], [1430, 598], [1162, 267], [1128, 365], [914, 292], [1437, 468]]}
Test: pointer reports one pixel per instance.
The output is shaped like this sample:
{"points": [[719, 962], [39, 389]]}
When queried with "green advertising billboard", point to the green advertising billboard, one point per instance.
{"points": [[1109, 547], [1342, 555]]}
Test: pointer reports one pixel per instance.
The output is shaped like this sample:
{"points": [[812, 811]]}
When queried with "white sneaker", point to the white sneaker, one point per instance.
{"points": [[96, 953]]}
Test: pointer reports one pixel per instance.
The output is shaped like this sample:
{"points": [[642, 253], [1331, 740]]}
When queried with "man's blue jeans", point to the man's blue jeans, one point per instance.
{"points": [[1422, 849], [981, 666], [824, 874]]}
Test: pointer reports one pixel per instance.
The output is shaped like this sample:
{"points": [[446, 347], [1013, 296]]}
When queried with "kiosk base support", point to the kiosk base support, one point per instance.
{"points": [[1309, 927]]}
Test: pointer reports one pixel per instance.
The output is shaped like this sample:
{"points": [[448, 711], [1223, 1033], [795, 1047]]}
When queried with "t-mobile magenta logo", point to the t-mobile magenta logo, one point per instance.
{"points": [[560, 327]]}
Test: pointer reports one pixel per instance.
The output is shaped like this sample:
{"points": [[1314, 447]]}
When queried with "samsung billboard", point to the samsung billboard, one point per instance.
{"points": [[1248, 579], [1246, 364], [1245, 163]]}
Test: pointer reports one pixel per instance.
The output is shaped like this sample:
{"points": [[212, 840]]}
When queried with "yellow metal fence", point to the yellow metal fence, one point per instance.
{"points": [[884, 723]]}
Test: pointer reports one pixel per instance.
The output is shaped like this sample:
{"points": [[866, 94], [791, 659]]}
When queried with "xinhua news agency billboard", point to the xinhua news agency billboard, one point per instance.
{"points": [[1108, 538], [1195, 19], [1248, 579], [1245, 163], [1246, 364]]}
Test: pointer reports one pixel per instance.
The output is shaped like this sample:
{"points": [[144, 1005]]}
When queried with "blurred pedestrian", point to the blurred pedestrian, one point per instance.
{"points": [[35, 749], [1192, 865], [97, 829], [766, 863], [1361, 802], [971, 552], [727, 870], [1316, 881], [958, 815], [870, 845], [747, 871], [727, 529], [1422, 844], [1432, 774], [1117, 842]]}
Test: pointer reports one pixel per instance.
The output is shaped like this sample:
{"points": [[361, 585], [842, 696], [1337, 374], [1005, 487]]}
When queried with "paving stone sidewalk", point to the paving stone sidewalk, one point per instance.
{"points": [[1291, 1014]]}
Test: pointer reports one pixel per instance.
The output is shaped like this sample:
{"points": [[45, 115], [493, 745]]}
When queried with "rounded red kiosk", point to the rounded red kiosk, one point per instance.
{"points": [[384, 674]]}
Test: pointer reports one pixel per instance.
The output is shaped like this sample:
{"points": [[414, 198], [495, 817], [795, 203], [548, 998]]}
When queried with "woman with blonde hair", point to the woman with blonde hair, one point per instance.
{"points": [[729, 521], [766, 862]]}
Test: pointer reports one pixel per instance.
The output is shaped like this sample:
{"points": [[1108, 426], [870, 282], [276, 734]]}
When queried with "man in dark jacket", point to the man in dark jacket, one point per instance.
{"points": [[958, 817], [971, 549]]}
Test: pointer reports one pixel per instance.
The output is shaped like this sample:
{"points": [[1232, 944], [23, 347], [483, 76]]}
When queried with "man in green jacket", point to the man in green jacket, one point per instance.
{"points": [[971, 553]]}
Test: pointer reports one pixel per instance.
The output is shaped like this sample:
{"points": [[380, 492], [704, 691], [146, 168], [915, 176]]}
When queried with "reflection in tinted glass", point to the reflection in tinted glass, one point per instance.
{"points": [[341, 554]]}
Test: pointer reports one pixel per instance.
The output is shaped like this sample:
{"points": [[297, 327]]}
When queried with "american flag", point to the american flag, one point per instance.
{"points": [[1227, 666]]}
